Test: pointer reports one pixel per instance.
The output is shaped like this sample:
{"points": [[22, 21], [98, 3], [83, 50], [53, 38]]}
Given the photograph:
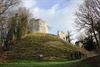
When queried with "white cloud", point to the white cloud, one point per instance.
{"points": [[53, 9], [45, 13], [58, 19], [29, 3]]}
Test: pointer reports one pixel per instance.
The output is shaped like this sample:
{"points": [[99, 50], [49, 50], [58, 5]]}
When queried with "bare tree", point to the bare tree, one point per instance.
{"points": [[81, 37], [87, 16], [5, 5], [68, 37], [22, 24]]}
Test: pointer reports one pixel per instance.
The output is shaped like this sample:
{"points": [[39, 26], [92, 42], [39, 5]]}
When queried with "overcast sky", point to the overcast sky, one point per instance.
{"points": [[59, 14]]}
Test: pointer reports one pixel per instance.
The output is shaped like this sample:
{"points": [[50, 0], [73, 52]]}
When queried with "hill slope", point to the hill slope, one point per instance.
{"points": [[41, 46]]}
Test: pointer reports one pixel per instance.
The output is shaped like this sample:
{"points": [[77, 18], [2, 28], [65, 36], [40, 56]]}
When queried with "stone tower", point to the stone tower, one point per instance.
{"points": [[62, 35], [38, 25]]}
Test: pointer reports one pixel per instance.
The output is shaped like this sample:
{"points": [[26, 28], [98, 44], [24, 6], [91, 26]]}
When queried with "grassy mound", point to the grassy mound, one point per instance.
{"points": [[42, 46]]}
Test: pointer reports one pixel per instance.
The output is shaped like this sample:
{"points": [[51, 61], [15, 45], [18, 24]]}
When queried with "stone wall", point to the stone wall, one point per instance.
{"points": [[62, 35], [39, 25]]}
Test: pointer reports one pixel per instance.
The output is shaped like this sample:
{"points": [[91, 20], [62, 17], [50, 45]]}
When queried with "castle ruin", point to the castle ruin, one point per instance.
{"points": [[38, 25], [62, 35]]}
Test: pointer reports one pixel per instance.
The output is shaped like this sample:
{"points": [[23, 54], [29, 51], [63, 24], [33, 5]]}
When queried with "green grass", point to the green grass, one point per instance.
{"points": [[25, 63], [56, 52], [50, 46]]}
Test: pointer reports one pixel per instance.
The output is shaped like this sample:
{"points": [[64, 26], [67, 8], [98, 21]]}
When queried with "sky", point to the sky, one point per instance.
{"points": [[59, 14]]}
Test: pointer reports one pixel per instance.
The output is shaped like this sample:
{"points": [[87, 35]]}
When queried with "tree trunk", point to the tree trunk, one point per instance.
{"points": [[92, 25], [97, 28], [99, 38]]}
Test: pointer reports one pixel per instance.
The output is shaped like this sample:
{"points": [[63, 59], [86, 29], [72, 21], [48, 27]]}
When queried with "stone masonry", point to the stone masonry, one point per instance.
{"points": [[38, 25]]}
